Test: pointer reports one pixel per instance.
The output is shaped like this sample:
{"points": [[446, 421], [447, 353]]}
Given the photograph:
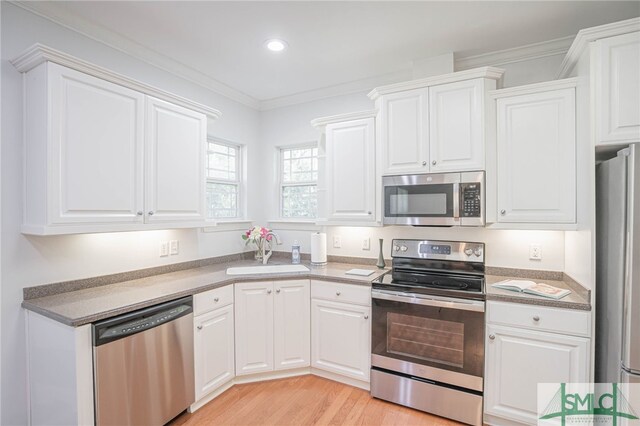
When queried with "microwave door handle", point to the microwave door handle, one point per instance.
{"points": [[456, 200]]}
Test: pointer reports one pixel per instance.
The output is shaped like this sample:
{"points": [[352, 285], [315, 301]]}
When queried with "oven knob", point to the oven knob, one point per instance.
{"points": [[477, 251], [468, 251], [396, 248], [403, 248]]}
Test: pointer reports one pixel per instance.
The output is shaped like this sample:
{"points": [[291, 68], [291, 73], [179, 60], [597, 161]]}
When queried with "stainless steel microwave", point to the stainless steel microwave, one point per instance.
{"points": [[435, 199]]}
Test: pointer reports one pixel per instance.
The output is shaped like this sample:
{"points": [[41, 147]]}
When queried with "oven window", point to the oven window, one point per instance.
{"points": [[427, 339], [441, 337], [419, 200]]}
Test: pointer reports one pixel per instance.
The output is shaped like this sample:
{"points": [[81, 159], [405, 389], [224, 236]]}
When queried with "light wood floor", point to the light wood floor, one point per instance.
{"points": [[303, 400]]}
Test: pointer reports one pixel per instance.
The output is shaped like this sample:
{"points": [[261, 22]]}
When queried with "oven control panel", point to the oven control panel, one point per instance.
{"points": [[470, 199], [445, 250]]}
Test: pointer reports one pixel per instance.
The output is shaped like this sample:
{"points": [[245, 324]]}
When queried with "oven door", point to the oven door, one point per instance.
{"points": [[431, 337], [431, 199]]}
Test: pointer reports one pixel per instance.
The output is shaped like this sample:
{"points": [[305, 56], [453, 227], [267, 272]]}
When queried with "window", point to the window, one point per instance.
{"points": [[298, 181], [223, 180]]}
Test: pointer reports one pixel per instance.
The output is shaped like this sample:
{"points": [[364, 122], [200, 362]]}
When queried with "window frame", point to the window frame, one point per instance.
{"points": [[282, 184], [239, 182]]}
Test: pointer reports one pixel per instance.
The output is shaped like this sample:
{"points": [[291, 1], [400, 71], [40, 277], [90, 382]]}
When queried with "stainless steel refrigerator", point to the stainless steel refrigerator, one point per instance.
{"points": [[618, 268]]}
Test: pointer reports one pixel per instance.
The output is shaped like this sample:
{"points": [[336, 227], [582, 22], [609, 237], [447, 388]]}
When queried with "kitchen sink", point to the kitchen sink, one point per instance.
{"points": [[266, 269]]}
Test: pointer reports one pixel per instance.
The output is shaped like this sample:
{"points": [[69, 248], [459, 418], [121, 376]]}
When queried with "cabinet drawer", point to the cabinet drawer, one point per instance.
{"points": [[542, 318], [349, 293], [212, 299]]}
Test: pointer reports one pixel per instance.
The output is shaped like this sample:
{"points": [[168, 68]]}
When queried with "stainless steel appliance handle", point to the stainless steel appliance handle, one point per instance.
{"points": [[437, 301], [456, 200]]}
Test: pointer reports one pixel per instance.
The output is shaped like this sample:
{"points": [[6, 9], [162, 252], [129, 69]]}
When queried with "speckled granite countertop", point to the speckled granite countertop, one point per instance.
{"points": [[579, 298], [87, 305]]}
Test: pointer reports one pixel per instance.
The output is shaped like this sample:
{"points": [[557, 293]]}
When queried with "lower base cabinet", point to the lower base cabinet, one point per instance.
{"points": [[517, 359], [213, 351], [341, 337]]}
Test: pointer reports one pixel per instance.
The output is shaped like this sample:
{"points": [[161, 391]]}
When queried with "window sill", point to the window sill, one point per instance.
{"points": [[295, 224], [228, 225]]}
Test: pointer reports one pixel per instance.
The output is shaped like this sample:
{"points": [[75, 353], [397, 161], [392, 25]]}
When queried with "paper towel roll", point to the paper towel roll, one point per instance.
{"points": [[319, 248]]}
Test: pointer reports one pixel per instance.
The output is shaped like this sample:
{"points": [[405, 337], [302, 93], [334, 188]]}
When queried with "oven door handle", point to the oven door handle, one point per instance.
{"points": [[420, 299]]}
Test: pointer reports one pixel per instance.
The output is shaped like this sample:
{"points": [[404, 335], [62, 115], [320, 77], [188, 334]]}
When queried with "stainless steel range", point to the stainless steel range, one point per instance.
{"points": [[428, 329]]}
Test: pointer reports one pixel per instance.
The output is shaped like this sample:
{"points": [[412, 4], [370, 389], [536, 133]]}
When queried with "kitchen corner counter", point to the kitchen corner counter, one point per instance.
{"points": [[79, 307], [579, 298]]}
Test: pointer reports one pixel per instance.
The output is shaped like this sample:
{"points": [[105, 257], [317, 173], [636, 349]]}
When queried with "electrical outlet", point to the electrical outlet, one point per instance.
{"points": [[366, 244], [164, 248], [173, 247], [535, 252], [337, 241]]}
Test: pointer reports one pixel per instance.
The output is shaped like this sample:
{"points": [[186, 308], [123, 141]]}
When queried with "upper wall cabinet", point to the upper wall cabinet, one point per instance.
{"points": [[347, 173], [536, 154], [435, 124], [617, 82], [101, 155]]}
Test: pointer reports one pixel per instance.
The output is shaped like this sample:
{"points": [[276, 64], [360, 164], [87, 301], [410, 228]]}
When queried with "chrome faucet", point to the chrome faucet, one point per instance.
{"points": [[266, 256]]}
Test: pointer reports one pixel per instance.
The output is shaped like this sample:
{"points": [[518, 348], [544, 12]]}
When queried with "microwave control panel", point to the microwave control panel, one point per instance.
{"points": [[470, 194]]}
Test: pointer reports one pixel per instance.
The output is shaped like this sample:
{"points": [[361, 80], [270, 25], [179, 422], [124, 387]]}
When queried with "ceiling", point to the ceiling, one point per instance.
{"points": [[330, 43]]}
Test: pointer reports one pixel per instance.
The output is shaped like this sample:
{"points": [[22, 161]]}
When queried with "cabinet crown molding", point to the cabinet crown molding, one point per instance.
{"points": [[39, 53], [483, 72], [566, 83], [588, 35], [323, 121]]}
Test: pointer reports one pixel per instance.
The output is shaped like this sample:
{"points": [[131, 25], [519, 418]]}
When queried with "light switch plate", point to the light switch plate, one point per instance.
{"points": [[337, 241], [366, 244], [173, 247]]}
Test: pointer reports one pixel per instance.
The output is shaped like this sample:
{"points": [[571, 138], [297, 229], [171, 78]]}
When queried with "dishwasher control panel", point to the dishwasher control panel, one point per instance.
{"points": [[138, 321]]}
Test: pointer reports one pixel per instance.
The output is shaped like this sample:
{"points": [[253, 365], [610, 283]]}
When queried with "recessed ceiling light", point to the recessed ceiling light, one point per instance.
{"points": [[276, 45]]}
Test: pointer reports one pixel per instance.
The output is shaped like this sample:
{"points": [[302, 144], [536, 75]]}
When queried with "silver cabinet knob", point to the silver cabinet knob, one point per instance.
{"points": [[368, 212], [140, 213], [536, 318], [424, 163], [337, 293], [503, 212], [492, 336], [199, 327], [277, 290], [268, 291], [366, 317], [434, 162], [216, 299], [150, 213]]}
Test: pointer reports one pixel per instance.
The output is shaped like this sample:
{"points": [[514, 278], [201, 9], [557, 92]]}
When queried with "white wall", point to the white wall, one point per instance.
{"points": [[29, 261]]}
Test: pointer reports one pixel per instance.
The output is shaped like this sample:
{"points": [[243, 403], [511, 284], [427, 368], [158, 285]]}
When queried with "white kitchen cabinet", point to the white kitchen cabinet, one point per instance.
{"points": [[526, 345], [404, 132], [456, 125], [536, 154], [291, 319], [350, 171], [341, 338], [617, 82], [101, 155], [175, 163], [254, 327], [213, 350], [272, 326]]}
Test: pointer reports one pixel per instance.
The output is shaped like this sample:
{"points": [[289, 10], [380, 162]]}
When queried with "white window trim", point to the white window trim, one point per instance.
{"points": [[241, 169], [281, 219]]}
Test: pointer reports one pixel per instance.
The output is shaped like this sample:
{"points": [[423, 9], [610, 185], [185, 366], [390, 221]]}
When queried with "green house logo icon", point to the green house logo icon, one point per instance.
{"points": [[610, 403]]}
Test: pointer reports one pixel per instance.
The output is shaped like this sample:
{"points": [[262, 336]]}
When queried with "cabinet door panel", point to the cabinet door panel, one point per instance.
{"points": [[341, 338], [404, 137], [537, 158], [175, 167], [214, 350], [517, 360], [291, 324], [618, 109], [96, 157], [350, 170], [456, 131], [254, 327]]}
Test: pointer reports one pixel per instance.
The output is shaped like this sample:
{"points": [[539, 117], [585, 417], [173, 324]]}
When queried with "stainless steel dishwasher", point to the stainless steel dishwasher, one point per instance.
{"points": [[143, 365]]}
